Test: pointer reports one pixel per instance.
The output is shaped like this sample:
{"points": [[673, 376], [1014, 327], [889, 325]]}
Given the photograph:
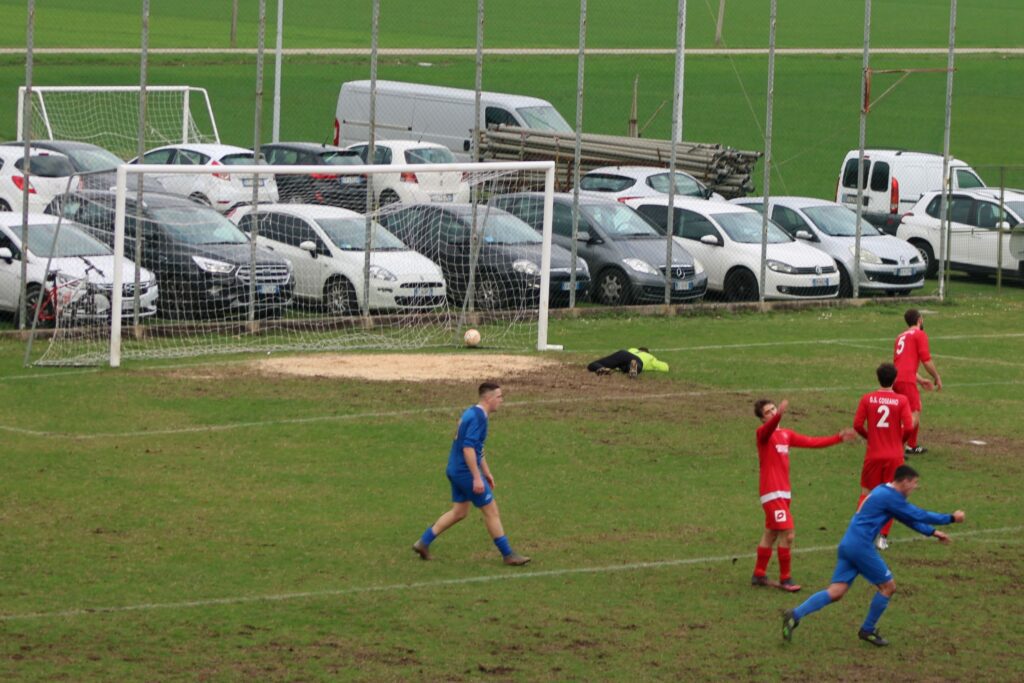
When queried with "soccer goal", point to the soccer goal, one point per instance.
{"points": [[108, 116], [293, 261]]}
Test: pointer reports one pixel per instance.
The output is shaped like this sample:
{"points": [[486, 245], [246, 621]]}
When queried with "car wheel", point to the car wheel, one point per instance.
{"points": [[46, 316], [741, 285], [4, 206], [489, 296], [931, 267], [340, 297], [200, 198], [845, 285], [613, 288]]}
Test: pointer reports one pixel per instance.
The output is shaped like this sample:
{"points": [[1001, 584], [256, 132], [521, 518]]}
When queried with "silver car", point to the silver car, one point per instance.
{"points": [[887, 263]]}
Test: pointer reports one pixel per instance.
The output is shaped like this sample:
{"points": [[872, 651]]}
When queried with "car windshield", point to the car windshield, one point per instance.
{"points": [[685, 185], [48, 166], [70, 242], [746, 228], [544, 118], [605, 182], [349, 234], [340, 158], [504, 228], [241, 159], [619, 221], [838, 221], [429, 155], [197, 225], [91, 160]]}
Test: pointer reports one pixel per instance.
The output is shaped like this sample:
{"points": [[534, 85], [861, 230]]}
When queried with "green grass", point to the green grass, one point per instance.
{"points": [[158, 489]]}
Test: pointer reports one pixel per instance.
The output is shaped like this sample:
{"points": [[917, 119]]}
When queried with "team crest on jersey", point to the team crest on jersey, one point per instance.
{"points": [[782, 448], [780, 515]]}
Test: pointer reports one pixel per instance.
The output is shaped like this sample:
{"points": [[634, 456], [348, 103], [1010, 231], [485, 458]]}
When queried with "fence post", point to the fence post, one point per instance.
{"points": [[768, 154], [999, 229]]}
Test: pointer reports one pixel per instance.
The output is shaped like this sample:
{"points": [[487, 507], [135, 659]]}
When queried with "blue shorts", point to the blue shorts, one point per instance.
{"points": [[462, 490], [864, 561]]}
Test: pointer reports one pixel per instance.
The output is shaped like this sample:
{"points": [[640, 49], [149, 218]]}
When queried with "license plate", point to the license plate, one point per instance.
{"points": [[819, 282], [682, 285], [421, 291], [442, 197], [267, 289], [904, 272], [850, 198], [349, 180], [247, 182]]}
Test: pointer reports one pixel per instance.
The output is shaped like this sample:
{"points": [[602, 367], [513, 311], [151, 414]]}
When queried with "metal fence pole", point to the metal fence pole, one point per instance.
{"points": [[257, 136], [720, 23], [26, 136], [861, 175], [999, 229], [577, 153], [945, 142], [767, 153], [278, 50], [140, 149], [677, 136], [371, 158], [475, 236]]}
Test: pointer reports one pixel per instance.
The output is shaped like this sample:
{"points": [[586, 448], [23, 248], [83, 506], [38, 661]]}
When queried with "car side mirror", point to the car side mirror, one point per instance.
{"points": [[804, 235], [582, 236], [310, 246], [713, 240], [1003, 225], [6, 255]]}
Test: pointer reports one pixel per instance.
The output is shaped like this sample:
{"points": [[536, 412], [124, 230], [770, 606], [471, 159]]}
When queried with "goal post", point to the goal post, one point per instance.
{"points": [[108, 116], [300, 270]]}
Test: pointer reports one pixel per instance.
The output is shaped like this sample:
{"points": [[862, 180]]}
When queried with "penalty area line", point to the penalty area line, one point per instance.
{"points": [[441, 583]]}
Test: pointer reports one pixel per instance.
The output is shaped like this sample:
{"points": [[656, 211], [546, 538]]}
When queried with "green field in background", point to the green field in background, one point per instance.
{"points": [[134, 500]]}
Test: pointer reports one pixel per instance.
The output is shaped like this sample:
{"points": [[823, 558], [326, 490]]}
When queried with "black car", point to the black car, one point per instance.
{"points": [[97, 166], [346, 191], [508, 257], [203, 263]]}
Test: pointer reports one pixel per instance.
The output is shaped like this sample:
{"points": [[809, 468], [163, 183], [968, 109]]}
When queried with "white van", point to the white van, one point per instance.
{"points": [[434, 113], [895, 180]]}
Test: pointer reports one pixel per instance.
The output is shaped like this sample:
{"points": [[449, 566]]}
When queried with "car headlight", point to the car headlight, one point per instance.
{"points": [[581, 265], [381, 273], [526, 267], [640, 266], [779, 266], [698, 267], [865, 255], [212, 266]]}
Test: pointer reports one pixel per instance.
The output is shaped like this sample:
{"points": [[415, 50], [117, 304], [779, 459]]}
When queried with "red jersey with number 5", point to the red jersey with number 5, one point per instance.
{"points": [[911, 349], [884, 419]]}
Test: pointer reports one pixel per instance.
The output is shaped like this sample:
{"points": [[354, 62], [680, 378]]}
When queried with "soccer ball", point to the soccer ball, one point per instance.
{"points": [[472, 337]]}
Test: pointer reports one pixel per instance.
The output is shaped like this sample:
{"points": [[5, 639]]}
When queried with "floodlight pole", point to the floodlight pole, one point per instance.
{"points": [[767, 154], [944, 230], [26, 136], [577, 153]]}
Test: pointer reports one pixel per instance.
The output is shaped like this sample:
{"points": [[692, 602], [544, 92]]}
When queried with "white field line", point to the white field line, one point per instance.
{"points": [[440, 583], [516, 52], [201, 429]]}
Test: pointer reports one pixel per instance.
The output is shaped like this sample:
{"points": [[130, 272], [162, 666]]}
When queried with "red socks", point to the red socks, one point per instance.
{"points": [[912, 439], [764, 555], [785, 562]]}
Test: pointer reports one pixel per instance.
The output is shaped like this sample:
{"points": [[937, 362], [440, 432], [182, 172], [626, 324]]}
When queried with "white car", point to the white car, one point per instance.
{"points": [[631, 182], [727, 240], [974, 230], [414, 188], [887, 263], [51, 174], [222, 191], [76, 256], [326, 247]]}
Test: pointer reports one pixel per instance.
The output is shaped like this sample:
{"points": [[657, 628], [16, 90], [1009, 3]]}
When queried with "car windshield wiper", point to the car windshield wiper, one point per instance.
{"points": [[90, 266]]}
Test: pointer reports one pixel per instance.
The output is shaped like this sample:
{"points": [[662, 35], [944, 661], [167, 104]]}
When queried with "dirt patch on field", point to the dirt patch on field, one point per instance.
{"points": [[406, 367]]}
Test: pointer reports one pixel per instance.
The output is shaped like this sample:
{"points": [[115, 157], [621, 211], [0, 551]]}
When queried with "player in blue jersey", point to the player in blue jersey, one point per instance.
{"points": [[857, 553], [471, 479]]}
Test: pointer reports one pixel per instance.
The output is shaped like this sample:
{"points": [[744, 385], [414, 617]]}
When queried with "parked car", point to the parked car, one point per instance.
{"points": [[346, 191], [508, 260], [74, 256], [95, 165], [222, 191], [326, 246], [975, 223], [887, 263], [727, 239], [894, 180], [51, 173], [624, 251], [202, 261], [413, 188], [630, 182]]}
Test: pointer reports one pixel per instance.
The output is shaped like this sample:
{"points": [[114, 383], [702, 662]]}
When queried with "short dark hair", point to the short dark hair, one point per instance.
{"points": [[904, 472], [912, 316], [759, 406], [886, 374], [488, 387]]}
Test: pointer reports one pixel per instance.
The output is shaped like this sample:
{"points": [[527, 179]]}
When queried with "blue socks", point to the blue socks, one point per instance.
{"points": [[503, 545], [428, 536], [878, 605], [813, 604]]}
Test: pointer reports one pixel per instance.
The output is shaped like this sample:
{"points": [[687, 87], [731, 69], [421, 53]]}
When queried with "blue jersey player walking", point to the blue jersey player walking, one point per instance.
{"points": [[857, 554], [471, 479]]}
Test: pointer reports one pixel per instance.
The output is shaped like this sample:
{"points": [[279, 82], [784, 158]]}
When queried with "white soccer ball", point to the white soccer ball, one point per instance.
{"points": [[472, 337]]}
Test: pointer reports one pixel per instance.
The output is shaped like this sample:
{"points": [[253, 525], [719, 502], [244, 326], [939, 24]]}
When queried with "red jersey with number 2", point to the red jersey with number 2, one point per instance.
{"points": [[884, 419], [910, 350]]}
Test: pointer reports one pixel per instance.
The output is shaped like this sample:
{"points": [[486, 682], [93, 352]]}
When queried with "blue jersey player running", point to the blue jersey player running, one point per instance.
{"points": [[857, 554], [471, 479]]}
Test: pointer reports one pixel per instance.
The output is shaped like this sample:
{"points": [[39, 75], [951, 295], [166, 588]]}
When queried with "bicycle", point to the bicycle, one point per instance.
{"points": [[64, 301]]}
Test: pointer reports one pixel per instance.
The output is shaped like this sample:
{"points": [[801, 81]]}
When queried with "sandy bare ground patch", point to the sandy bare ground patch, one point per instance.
{"points": [[406, 367]]}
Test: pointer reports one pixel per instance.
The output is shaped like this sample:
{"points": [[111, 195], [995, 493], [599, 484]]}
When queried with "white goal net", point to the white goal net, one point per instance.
{"points": [[108, 116], [293, 260]]}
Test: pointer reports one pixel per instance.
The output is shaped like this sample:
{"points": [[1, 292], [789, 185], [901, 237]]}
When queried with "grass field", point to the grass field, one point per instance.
{"points": [[204, 522]]}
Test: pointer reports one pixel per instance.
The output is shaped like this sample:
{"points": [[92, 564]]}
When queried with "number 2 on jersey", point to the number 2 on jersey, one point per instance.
{"points": [[883, 421]]}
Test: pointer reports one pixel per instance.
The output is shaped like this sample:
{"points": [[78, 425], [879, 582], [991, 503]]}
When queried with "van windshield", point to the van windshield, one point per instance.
{"points": [[544, 118], [838, 221], [349, 234], [965, 179]]}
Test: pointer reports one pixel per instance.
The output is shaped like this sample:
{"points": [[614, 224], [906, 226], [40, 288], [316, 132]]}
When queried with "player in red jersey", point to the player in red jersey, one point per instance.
{"points": [[773, 446], [883, 418], [911, 349]]}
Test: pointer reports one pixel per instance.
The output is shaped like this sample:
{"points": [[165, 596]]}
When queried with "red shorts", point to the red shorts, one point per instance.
{"points": [[777, 515], [878, 471], [909, 389]]}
